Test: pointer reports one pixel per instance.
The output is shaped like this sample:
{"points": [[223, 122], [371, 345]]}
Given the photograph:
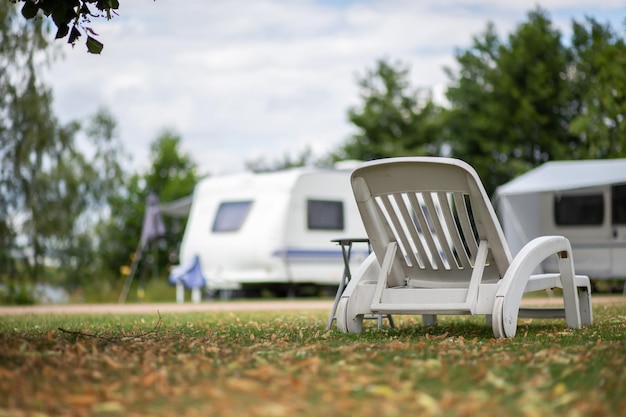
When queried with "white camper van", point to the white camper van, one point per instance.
{"points": [[584, 201], [272, 229]]}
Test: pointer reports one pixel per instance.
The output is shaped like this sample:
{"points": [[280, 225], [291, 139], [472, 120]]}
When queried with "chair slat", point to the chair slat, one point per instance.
{"points": [[433, 205], [416, 246], [466, 227], [399, 235], [408, 228], [416, 209], [457, 243], [416, 206], [432, 252]]}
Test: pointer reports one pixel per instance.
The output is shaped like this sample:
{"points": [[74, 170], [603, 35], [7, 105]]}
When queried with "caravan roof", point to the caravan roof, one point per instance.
{"points": [[567, 175], [275, 179], [177, 208]]}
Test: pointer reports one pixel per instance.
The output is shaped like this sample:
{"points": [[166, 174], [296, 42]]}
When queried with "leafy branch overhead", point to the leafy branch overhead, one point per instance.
{"points": [[72, 17]]}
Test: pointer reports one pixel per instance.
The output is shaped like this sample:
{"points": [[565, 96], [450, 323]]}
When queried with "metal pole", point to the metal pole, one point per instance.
{"points": [[133, 271]]}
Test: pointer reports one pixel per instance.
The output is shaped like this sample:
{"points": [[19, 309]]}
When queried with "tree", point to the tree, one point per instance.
{"points": [[596, 74], [394, 119], [101, 178], [59, 187], [25, 126], [72, 17], [509, 101], [304, 158], [531, 99], [118, 233], [49, 186], [19, 42], [171, 175]]}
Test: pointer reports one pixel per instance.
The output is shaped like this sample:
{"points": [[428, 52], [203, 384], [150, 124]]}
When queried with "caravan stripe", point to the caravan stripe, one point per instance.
{"points": [[313, 255]]}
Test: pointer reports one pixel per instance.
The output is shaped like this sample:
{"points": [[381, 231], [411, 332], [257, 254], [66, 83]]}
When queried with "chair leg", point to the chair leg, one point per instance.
{"points": [[497, 318], [347, 322], [333, 310], [429, 320], [586, 313]]}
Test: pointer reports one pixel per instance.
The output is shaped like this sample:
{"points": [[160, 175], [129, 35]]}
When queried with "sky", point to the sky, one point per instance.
{"points": [[240, 80]]}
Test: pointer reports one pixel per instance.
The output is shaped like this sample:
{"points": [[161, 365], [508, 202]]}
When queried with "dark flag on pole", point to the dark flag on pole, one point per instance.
{"points": [[152, 228]]}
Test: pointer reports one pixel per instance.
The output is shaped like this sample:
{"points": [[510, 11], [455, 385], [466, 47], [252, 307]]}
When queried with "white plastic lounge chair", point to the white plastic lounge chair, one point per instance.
{"points": [[438, 248]]}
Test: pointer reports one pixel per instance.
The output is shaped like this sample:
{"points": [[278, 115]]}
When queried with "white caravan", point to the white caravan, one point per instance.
{"points": [[584, 201], [255, 230]]}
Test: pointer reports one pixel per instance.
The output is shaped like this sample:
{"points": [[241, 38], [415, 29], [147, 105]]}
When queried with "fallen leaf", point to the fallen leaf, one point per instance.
{"points": [[430, 404], [81, 399], [242, 384], [111, 362], [108, 409]]}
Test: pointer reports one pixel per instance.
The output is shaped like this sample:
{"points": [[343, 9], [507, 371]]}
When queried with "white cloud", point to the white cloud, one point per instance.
{"points": [[243, 79]]}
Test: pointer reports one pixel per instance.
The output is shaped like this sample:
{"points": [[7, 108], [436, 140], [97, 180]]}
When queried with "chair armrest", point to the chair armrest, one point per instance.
{"points": [[529, 258], [513, 284]]}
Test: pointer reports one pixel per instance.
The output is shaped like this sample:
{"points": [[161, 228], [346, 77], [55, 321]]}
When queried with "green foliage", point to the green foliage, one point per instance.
{"points": [[513, 104], [57, 187], [598, 84], [20, 42], [304, 158], [171, 175], [61, 191], [7, 243], [152, 291], [269, 363], [509, 101], [394, 119], [17, 294], [107, 288], [531, 99], [38, 179], [50, 189], [119, 233], [72, 18]]}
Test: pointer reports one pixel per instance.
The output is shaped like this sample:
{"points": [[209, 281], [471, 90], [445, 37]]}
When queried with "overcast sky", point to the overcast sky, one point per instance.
{"points": [[239, 80]]}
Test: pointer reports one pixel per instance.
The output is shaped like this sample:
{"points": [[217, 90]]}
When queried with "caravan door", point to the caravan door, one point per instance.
{"points": [[618, 217], [584, 217]]}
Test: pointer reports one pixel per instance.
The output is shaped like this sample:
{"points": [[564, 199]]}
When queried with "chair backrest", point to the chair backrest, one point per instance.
{"points": [[437, 211]]}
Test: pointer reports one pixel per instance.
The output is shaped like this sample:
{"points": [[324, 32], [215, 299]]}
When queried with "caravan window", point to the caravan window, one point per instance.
{"points": [[619, 204], [579, 210], [231, 215], [324, 215]]}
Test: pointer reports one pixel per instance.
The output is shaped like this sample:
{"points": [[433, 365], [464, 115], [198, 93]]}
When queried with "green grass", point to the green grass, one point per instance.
{"points": [[286, 364]]}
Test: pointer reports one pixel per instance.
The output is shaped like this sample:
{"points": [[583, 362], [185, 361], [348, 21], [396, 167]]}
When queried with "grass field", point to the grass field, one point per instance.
{"points": [[285, 364]]}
